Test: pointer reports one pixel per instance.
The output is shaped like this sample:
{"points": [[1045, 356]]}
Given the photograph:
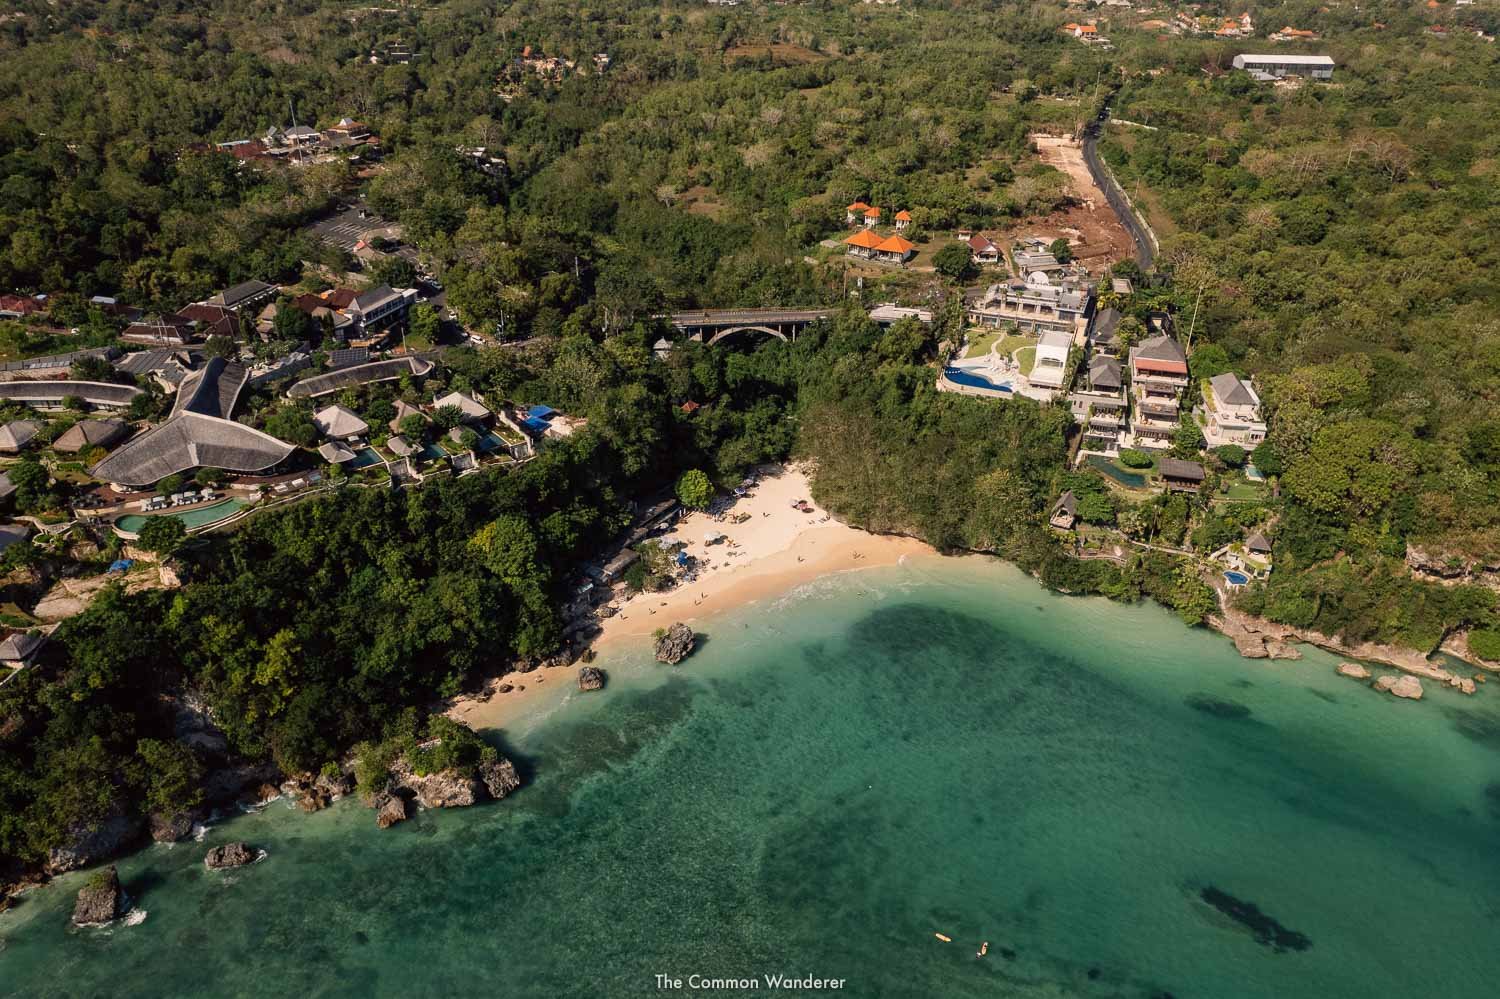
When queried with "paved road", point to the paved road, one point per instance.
{"points": [[1145, 253]]}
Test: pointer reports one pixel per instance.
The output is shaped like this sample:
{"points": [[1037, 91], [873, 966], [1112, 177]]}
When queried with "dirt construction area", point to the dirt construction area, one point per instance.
{"points": [[1097, 237]]}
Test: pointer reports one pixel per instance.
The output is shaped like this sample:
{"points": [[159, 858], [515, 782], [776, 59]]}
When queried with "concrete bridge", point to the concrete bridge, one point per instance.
{"points": [[713, 325]]}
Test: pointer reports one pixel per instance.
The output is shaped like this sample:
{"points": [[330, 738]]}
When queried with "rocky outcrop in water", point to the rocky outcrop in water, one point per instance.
{"points": [[1354, 670], [1405, 686], [172, 828], [444, 789], [590, 678], [88, 844], [674, 646], [229, 855], [389, 809], [100, 900], [499, 777]]}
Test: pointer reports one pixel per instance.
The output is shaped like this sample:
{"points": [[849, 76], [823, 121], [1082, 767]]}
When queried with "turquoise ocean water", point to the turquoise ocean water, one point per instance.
{"points": [[838, 775]]}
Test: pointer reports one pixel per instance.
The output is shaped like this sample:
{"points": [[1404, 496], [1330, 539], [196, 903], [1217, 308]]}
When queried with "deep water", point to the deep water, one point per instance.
{"points": [[1120, 806]]}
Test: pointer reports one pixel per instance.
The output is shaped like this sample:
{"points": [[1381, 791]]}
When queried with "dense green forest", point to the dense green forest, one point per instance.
{"points": [[1333, 241]]}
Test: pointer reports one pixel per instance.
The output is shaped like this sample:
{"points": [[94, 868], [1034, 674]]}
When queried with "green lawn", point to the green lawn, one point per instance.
{"points": [[1026, 357], [981, 340]]}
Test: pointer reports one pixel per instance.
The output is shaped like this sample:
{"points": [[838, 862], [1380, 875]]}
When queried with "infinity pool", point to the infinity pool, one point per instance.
{"points": [[967, 378]]}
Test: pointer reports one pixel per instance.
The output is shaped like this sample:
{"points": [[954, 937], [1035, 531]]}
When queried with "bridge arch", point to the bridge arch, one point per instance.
{"points": [[735, 330]]}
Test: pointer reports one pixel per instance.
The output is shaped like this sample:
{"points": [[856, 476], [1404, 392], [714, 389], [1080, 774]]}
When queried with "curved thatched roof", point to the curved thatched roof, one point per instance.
{"points": [[212, 390], [359, 374], [191, 440], [52, 393]]}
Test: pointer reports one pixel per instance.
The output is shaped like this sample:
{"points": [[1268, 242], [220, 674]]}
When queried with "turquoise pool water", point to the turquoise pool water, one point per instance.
{"points": [[1235, 578], [972, 379], [195, 517], [1132, 480]]}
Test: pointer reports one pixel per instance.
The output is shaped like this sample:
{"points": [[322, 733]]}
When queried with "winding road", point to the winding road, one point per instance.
{"points": [[1145, 250]]}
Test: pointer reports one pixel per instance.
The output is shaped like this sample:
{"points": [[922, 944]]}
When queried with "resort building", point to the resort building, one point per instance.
{"points": [[1100, 407], [1231, 413], [982, 251], [472, 409], [1104, 331], [1050, 369], [247, 294], [1158, 374], [1280, 65], [862, 244], [895, 250], [1064, 512], [167, 366], [889, 313], [403, 410], [15, 435], [53, 365], [360, 374], [855, 212], [869, 246], [1036, 305], [199, 433], [340, 424], [165, 331], [20, 648], [372, 314], [1181, 476], [55, 394], [1037, 261], [872, 216], [903, 220], [336, 452], [85, 435]]}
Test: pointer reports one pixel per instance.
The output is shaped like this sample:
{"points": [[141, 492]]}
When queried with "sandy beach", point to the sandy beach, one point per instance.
{"points": [[777, 549]]}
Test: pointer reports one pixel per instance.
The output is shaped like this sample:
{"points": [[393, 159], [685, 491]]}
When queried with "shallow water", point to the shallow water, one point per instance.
{"points": [[832, 779]]}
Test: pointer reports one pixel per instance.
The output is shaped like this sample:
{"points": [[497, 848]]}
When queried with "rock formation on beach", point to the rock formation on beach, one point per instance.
{"points": [[675, 645], [590, 678], [1405, 686], [229, 855], [100, 900], [1355, 670]]}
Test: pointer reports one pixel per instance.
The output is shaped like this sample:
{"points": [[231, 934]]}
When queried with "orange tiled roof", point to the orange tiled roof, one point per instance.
{"points": [[903, 216], [1087, 29], [1070, 26], [872, 212], [858, 206], [865, 239], [895, 244]]}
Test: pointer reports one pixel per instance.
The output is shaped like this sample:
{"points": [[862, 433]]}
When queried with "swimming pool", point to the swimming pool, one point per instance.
{"points": [[967, 378], [1130, 480], [364, 458], [196, 517], [1236, 578]]}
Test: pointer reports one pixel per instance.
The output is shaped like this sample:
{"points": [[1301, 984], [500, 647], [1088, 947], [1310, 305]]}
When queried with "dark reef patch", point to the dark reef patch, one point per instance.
{"points": [[1266, 931], [1231, 710]]}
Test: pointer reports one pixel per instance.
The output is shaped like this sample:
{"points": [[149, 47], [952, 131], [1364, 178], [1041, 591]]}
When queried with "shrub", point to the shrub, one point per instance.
{"points": [[1485, 643], [694, 489], [1232, 455], [1131, 458]]}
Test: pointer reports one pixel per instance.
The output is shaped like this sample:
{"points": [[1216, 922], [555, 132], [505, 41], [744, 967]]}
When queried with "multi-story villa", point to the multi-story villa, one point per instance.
{"points": [[1038, 304], [1231, 412], [1100, 407], [1158, 374]]}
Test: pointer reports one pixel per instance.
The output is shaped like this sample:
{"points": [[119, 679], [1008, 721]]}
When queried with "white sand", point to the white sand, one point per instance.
{"points": [[775, 550]]}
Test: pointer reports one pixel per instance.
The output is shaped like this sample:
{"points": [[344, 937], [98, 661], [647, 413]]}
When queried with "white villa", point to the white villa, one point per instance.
{"points": [[1050, 368], [1232, 414]]}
